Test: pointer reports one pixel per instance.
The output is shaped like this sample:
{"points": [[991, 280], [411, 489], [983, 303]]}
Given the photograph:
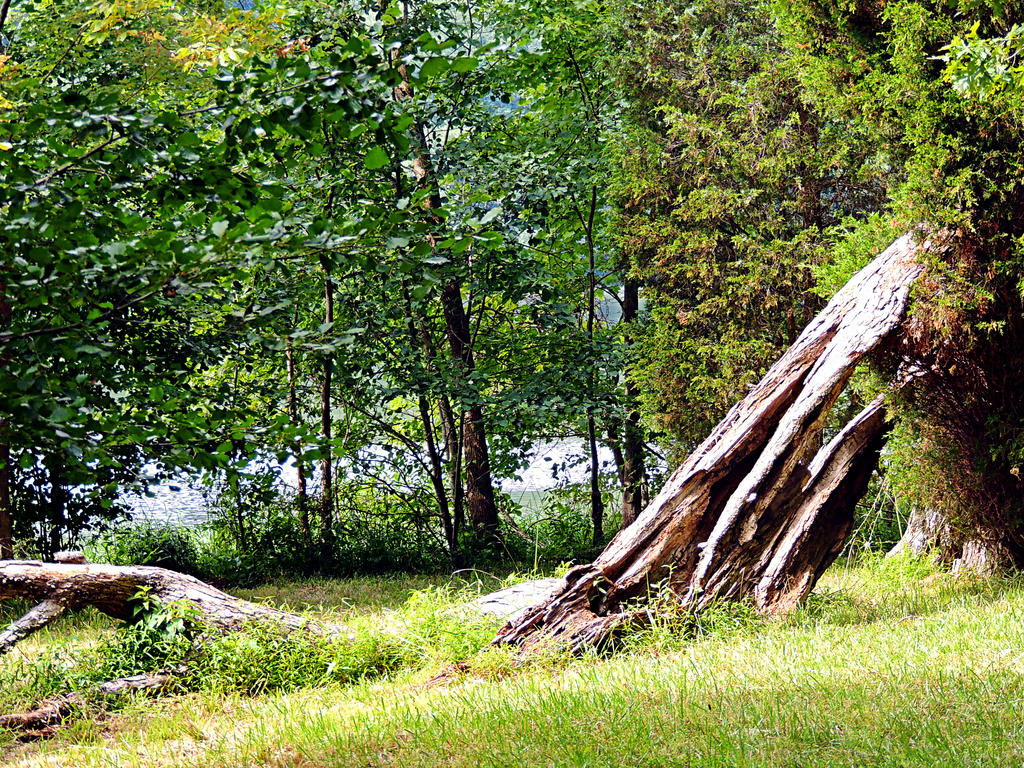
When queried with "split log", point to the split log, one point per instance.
{"points": [[113, 589], [759, 509]]}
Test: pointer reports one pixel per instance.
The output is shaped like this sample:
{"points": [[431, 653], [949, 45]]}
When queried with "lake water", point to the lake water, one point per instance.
{"points": [[182, 500]]}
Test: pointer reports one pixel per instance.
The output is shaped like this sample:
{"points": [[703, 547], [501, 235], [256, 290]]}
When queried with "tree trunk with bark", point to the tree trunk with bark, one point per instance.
{"points": [[928, 530], [633, 465], [112, 590], [483, 512], [479, 489], [760, 509], [596, 501], [302, 498], [6, 523], [327, 460]]}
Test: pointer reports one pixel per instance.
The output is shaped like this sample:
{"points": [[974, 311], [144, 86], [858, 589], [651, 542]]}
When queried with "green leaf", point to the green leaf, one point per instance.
{"points": [[465, 64], [434, 66], [376, 158], [491, 215], [60, 414]]}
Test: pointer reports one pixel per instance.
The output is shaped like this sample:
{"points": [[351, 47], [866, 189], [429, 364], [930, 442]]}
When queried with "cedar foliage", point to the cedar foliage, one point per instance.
{"points": [[770, 150], [731, 182], [959, 438]]}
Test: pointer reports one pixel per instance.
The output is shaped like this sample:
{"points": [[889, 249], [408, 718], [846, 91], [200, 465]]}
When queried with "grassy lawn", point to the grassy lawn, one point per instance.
{"points": [[888, 664]]}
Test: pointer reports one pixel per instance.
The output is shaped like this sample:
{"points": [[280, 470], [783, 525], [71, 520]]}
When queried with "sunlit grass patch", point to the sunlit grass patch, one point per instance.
{"points": [[889, 664]]}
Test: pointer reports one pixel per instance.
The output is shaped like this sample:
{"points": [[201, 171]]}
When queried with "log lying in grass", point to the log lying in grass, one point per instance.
{"points": [[760, 509], [57, 587], [113, 590], [37, 618], [55, 711]]}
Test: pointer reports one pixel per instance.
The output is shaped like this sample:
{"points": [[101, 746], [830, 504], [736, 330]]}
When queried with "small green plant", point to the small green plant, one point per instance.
{"points": [[158, 635], [662, 622]]}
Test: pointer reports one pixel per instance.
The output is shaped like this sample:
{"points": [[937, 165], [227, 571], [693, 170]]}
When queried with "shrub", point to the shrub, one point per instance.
{"points": [[165, 545]]}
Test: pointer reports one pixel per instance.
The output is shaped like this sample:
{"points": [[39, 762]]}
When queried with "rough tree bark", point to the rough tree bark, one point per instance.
{"points": [[962, 551], [759, 509], [57, 587], [483, 511]]}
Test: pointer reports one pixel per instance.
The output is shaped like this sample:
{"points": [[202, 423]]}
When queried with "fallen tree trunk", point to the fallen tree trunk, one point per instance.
{"points": [[55, 711], [33, 621], [760, 509], [113, 590]]}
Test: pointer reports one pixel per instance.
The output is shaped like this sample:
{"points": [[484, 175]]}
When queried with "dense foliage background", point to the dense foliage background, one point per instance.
{"points": [[397, 246]]}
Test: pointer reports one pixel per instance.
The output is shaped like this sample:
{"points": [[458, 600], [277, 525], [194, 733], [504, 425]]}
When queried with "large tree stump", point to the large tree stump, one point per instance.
{"points": [[759, 509]]}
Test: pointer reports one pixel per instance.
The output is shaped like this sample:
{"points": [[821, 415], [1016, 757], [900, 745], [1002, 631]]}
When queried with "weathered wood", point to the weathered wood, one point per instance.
{"points": [[742, 516], [815, 530], [34, 620], [510, 602], [111, 590], [56, 710]]}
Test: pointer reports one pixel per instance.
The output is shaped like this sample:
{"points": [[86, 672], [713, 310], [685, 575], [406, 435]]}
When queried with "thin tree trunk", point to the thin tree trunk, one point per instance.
{"points": [[633, 465], [58, 505], [596, 502], [418, 336], [236, 489], [759, 509], [327, 459], [300, 465], [437, 478], [455, 473], [6, 523], [483, 512], [452, 439]]}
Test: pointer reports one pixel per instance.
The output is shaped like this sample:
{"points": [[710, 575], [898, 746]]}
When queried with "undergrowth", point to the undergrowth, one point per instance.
{"points": [[363, 541], [432, 629], [402, 645]]}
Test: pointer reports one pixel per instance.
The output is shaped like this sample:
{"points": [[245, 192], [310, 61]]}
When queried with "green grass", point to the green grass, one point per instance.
{"points": [[889, 664]]}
